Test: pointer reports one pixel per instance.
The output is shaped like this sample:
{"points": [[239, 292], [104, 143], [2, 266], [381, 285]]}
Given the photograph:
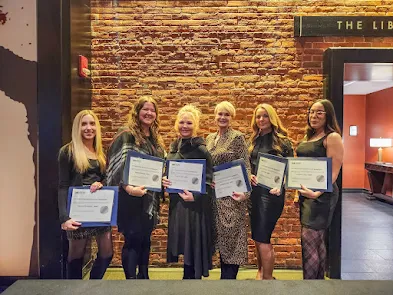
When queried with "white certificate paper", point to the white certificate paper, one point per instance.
{"points": [[270, 172], [185, 176], [91, 207], [228, 181], [310, 173], [145, 172]]}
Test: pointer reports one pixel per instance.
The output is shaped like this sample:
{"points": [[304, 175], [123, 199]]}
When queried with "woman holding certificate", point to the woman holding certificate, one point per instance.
{"points": [[322, 139], [190, 213], [230, 212], [82, 162], [138, 207], [269, 137]]}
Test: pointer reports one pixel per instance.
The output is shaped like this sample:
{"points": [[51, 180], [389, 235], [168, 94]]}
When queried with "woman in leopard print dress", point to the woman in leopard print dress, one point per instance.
{"points": [[230, 212]]}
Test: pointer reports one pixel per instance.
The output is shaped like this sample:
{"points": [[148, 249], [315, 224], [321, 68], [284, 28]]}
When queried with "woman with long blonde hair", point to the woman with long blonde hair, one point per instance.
{"points": [[82, 162], [270, 137], [138, 207]]}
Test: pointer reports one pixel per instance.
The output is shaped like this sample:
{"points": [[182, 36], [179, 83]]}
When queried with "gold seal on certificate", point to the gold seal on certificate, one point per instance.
{"points": [[313, 173], [271, 170]]}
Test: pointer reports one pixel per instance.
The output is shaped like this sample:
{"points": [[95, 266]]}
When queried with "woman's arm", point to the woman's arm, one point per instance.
{"points": [[335, 150]]}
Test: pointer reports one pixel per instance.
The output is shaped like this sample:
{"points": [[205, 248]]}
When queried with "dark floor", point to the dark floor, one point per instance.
{"points": [[367, 239]]}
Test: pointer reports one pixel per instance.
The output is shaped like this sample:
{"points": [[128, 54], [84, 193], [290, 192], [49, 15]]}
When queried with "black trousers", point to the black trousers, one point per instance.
{"points": [[228, 271]]}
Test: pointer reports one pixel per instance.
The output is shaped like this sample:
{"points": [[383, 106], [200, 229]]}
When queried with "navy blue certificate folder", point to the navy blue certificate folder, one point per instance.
{"points": [[240, 163], [319, 178], [113, 219], [274, 158], [202, 189], [156, 178]]}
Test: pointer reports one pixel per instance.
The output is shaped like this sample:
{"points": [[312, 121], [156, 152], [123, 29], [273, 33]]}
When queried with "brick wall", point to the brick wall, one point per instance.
{"points": [[207, 51]]}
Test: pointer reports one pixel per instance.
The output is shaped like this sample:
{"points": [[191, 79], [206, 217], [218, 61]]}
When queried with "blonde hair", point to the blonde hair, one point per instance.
{"points": [[226, 105], [76, 147], [195, 114], [134, 124], [279, 132]]}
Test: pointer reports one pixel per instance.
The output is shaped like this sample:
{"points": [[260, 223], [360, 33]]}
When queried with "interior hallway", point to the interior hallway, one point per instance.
{"points": [[367, 239]]}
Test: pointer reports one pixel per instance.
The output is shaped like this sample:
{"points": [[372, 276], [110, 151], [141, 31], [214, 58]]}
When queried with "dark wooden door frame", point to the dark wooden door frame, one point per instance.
{"points": [[333, 71], [56, 79]]}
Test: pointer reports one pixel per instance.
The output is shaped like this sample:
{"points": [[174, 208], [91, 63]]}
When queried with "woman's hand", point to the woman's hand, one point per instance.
{"points": [[238, 196], [254, 180], [70, 225], [213, 185], [305, 192], [136, 191], [96, 186], [165, 182], [187, 196], [275, 191]]}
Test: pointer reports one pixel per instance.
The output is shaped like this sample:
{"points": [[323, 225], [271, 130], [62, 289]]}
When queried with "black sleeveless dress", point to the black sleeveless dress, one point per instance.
{"points": [[316, 213], [266, 208]]}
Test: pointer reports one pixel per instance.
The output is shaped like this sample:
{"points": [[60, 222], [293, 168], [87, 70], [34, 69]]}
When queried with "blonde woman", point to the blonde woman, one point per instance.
{"points": [[230, 212], [82, 162], [270, 137], [190, 214], [138, 207]]}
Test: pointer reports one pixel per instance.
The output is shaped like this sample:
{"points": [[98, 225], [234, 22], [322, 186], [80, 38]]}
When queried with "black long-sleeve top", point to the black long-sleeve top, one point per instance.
{"points": [[68, 176]]}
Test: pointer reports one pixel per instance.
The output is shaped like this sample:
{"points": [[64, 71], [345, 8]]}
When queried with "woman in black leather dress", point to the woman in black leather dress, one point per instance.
{"points": [[269, 137]]}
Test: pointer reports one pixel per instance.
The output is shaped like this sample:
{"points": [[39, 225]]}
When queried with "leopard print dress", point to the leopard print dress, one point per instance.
{"points": [[230, 215]]}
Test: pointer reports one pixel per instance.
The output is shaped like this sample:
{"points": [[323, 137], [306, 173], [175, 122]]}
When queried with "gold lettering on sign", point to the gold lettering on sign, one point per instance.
{"points": [[375, 25], [339, 22], [359, 25], [390, 25], [349, 25]]}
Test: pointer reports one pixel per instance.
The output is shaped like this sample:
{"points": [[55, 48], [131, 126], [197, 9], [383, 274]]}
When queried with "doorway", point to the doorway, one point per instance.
{"points": [[334, 64]]}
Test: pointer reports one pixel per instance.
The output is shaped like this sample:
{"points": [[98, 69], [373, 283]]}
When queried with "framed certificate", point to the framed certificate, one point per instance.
{"points": [[187, 174], [230, 177], [141, 169], [314, 173], [93, 209], [271, 170]]}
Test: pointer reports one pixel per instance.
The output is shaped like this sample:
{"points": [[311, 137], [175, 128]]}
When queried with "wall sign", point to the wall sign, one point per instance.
{"points": [[317, 26]]}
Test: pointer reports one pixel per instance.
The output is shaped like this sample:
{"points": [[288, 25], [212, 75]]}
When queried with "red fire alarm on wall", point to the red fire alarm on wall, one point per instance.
{"points": [[83, 67]]}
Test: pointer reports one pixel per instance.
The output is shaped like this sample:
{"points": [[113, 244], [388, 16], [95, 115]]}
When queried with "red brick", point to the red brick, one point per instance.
{"points": [[207, 51]]}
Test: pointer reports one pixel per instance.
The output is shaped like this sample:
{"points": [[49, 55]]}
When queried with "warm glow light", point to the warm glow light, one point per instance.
{"points": [[380, 142]]}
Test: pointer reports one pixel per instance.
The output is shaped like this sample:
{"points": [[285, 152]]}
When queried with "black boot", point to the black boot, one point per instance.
{"points": [[99, 267], [189, 273], [143, 272], [74, 269]]}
